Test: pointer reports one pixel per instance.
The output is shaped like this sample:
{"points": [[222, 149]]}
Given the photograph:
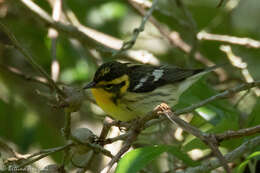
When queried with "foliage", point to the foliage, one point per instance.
{"points": [[31, 119]]}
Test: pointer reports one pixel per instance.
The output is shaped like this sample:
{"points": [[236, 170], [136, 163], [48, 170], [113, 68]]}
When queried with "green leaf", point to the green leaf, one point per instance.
{"points": [[215, 117], [242, 166], [226, 123], [255, 154], [197, 120], [214, 112], [137, 159]]}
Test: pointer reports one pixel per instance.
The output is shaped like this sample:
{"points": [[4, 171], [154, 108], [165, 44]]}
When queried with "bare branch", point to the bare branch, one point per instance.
{"points": [[97, 148], [176, 41], [208, 139], [131, 138], [129, 44], [117, 138], [237, 62], [89, 36], [43, 154], [31, 60], [220, 3], [136, 127], [239, 133], [211, 139], [53, 35], [95, 39], [67, 129], [221, 95], [6, 148], [208, 165], [248, 42], [26, 77]]}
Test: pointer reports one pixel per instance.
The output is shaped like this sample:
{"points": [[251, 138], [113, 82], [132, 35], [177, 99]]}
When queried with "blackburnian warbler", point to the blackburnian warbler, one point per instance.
{"points": [[127, 91]]}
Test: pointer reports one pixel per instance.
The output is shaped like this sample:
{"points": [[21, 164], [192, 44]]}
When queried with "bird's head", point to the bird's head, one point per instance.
{"points": [[112, 77]]}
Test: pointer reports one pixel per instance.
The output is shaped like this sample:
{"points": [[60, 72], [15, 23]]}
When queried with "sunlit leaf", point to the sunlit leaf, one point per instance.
{"points": [[137, 159], [242, 166]]}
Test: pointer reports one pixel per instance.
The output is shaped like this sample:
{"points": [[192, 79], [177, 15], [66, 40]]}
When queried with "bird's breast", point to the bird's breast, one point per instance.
{"points": [[117, 110]]}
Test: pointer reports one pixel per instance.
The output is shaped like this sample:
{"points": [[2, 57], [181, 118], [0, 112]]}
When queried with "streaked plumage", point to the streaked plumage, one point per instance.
{"points": [[126, 91]]}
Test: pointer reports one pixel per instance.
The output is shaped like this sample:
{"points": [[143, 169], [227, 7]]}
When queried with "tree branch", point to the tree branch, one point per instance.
{"points": [[129, 44], [31, 60], [222, 95], [26, 77], [237, 62], [43, 154], [131, 138], [208, 165], [89, 36], [237, 134], [248, 42], [176, 41], [53, 35], [208, 139], [6, 148]]}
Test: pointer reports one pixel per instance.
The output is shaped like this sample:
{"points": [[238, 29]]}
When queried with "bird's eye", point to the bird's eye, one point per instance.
{"points": [[109, 86]]}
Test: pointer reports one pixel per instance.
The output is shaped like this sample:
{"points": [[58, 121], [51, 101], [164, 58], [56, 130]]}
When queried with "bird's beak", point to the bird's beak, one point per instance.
{"points": [[90, 85]]}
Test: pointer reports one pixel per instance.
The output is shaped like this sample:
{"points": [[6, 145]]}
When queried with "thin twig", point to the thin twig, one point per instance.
{"points": [[95, 147], [237, 62], [106, 127], [224, 94], [44, 154], [176, 41], [220, 3], [248, 42], [117, 138], [67, 129], [89, 36], [26, 77], [210, 164], [6, 148], [237, 134], [31, 60], [208, 139], [66, 156], [193, 130], [67, 28], [53, 35], [131, 138], [213, 140], [136, 127], [104, 132], [129, 44]]}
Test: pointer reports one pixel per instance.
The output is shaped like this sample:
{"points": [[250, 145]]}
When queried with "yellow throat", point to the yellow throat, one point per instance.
{"points": [[105, 100]]}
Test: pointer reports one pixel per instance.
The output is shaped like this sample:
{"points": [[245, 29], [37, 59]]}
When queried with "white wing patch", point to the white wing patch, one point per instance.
{"points": [[141, 82], [158, 73]]}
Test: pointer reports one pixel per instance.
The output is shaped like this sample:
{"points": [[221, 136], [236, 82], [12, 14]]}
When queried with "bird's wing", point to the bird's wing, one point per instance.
{"points": [[146, 78]]}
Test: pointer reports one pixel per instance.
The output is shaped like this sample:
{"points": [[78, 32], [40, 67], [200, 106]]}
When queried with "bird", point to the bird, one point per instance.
{"points": [[126, 91]]}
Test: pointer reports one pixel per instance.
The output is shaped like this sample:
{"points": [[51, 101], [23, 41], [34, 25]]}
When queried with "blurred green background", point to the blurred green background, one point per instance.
{"points": [[30, 123]]}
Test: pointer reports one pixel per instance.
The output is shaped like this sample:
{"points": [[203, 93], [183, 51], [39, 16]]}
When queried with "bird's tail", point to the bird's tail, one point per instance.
{"points": [[201, 72]]}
